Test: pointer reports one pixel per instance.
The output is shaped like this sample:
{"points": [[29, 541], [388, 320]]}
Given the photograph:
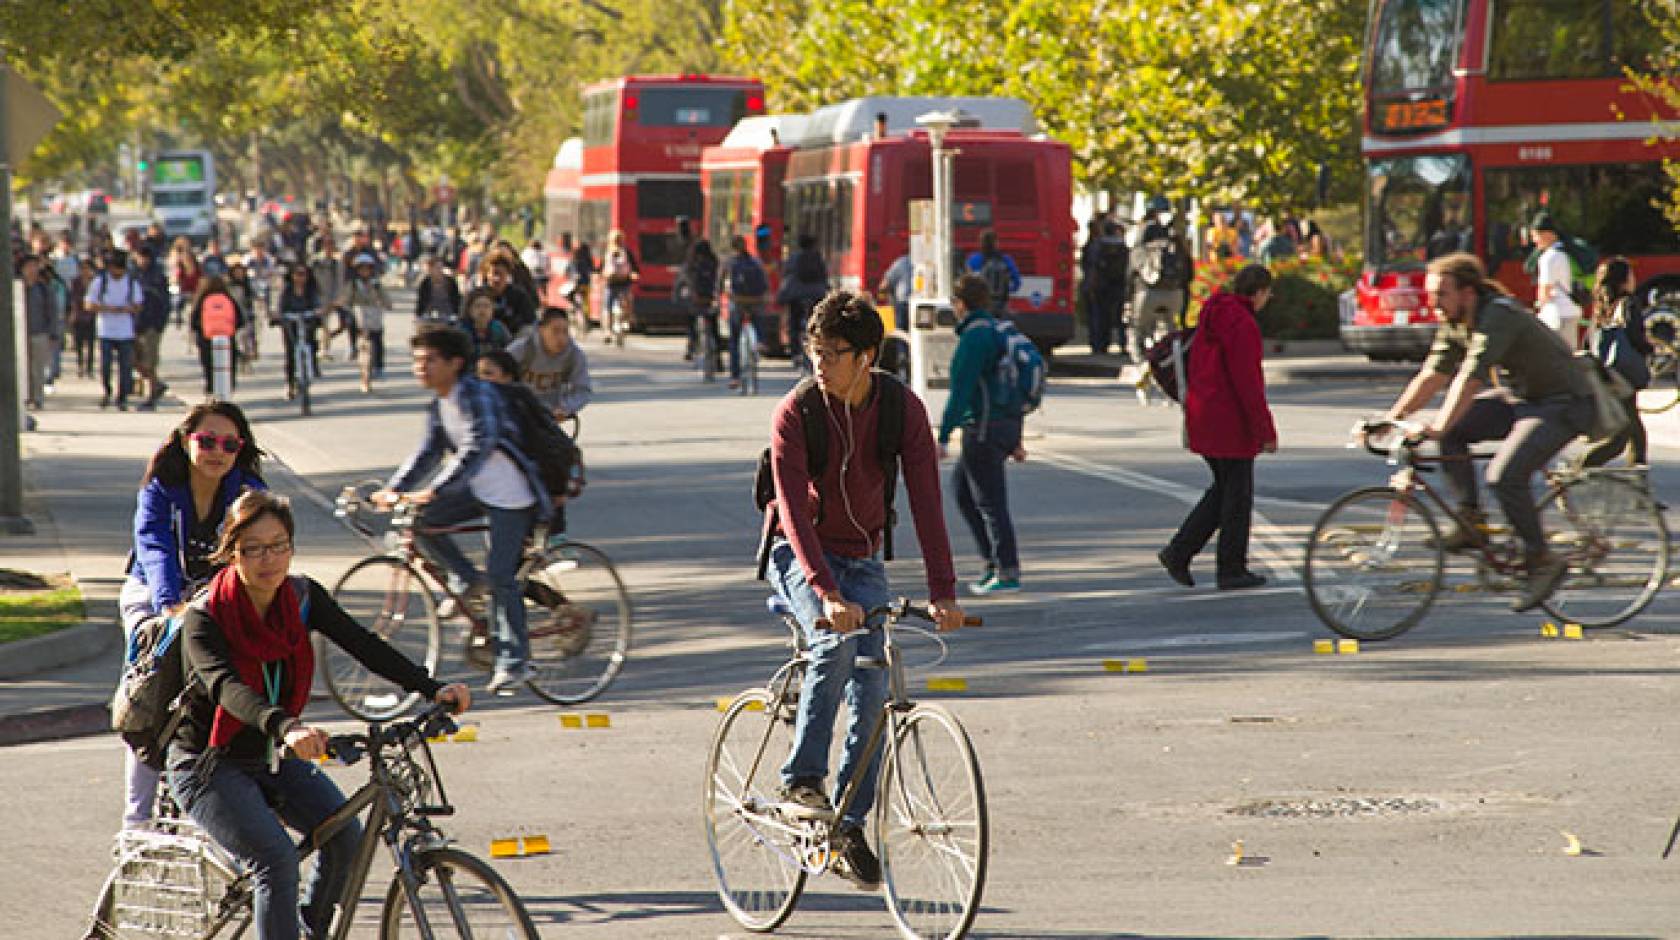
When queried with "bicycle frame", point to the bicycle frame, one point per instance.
{"points": [[1408, 481]]}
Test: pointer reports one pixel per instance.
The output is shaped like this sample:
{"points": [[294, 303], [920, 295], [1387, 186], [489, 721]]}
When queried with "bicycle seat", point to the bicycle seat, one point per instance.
{"points": [[776, 605]]}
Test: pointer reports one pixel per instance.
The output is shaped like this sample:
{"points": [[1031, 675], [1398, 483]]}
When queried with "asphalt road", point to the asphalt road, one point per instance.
{"points": [[1420, 788]]}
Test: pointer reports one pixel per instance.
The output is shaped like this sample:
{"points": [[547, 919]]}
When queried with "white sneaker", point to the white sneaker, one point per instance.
{"points": [[506, 682]]}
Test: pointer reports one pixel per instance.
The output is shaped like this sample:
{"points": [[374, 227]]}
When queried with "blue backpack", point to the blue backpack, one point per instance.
{"points": [[747, 278], [1018, 378]]}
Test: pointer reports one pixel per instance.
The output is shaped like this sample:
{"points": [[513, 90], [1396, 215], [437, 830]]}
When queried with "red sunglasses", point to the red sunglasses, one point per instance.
{"points": [[230, 443]]}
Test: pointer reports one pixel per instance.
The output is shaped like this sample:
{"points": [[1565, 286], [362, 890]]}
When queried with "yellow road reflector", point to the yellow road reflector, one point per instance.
{"points": [[1137, 665], [948, 684], [1347, 646], [1572, 631], [1236, 853], [597, 720], [504, 848], [1324, 646], [1574, 844], [1114, 665], [724, 702], [535, 845], [466, 735], [1549, 629], [1124, 665], [571, 720]]}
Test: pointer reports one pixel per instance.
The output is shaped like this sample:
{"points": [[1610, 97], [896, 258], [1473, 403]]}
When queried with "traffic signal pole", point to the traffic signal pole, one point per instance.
{"points": [[12, 520]]}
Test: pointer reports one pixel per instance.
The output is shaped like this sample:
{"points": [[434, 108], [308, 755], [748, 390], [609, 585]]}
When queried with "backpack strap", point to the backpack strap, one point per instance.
{"points": [[813, 415], [889, 445]]}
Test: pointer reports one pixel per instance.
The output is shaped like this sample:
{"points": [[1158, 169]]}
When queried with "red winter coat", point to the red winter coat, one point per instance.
{"points": [[1225, 410]]}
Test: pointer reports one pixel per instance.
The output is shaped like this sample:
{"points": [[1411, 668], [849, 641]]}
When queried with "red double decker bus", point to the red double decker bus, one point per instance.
{"points": [[849, 186], [639, 173], [1480, 113]]}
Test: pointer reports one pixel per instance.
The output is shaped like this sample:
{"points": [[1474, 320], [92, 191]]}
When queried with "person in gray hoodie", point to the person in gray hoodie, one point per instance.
{"points": [[553, 366], [41, 324]]}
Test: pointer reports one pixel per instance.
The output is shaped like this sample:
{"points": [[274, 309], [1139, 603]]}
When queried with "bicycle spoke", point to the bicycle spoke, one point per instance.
{"points": [[932, 826], [1374, 564], [755, 853]]}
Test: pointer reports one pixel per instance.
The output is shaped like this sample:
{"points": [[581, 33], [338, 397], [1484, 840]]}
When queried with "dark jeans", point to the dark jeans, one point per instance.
{"points": [[243, 807], [1532, 433], [739, 312], [507, 533], [1103, 309], [311, 335], [207, 359], [1227, 505], [1633, 434], [87, 341], [375, 340], [799, 311], [118, 352], [983, 493]]}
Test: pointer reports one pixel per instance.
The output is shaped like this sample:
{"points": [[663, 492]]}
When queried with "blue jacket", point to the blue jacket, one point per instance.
{"points": [[972, 375], [492, 429], [162, 518]]}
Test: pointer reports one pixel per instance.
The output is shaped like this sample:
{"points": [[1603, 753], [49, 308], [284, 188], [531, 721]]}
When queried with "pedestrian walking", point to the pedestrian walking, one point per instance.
{"points": [[150, 324], [1162, 269], [186, 273], [700, 279], [331, 275], [207, 462], [367, 304], [998, 270], [804, 282], [42, 322], [216, 312], [1228, 422], [84, 330], [991, 421], [897, 283], [1107, 270], [1618, 340], [1555, 282], [116, 298]]}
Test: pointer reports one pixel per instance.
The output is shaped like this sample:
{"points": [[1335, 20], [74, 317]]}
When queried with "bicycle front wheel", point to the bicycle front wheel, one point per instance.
{"points": [[457, 896], [1374, 564], [1613, 535], [578, 616], [931, 827], [755, 852], [389, 598]]}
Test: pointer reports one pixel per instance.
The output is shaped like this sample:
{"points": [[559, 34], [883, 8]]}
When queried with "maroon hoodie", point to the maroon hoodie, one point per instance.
{"points": [[853, 519]]}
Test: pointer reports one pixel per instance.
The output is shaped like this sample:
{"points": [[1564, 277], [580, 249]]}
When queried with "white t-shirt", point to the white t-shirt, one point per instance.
{"points": [[499, 482], [115, 292], [1560, 310]]}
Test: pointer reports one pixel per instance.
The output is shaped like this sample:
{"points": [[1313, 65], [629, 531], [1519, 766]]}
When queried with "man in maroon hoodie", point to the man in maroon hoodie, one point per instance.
{"points": [[1227, 422], [827, 565]]}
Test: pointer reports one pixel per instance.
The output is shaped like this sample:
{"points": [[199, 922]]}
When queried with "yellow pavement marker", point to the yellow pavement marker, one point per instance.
{"points": [[571, 720], [1324, 647], [947, 684], [1572, 631], [725, 701], [1236, 853], [1126, 665], [466, 735], [520, 846], [1137, 665], [597, 720], [1549, 630], [536, 845], [1347, 647], [1573, 848], [504, 848]]}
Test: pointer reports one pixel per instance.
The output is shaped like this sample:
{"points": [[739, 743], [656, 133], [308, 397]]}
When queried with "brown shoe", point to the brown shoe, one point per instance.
{"points": [[1466, 532]]}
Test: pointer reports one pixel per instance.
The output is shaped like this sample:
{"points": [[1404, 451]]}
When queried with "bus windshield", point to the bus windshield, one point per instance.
{"points": [[1415, 46], [692, 107], [1419, 209]]}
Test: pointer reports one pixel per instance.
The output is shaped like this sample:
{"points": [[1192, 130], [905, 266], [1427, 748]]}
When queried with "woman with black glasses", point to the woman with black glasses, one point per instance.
{"points": [[209, 459]]}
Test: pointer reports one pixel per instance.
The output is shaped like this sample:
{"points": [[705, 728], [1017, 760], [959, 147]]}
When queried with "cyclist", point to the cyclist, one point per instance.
{"points": [[700, 276], [827, 565], [1543, 404], [486, 474], [300, 296], [249, 661], [482, 327], [554, 366], [619, 269], [365, 301]]}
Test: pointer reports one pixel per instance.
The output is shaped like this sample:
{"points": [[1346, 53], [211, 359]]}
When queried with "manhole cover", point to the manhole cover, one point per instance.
{"points": [[1341, 807]]}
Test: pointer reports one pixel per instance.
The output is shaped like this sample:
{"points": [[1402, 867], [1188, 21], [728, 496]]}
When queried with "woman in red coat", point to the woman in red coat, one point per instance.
{"points": [[1227, 421]]}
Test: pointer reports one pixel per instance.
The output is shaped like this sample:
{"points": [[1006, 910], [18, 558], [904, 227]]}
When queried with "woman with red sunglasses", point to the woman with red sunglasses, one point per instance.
{"points": [[209, 459]]}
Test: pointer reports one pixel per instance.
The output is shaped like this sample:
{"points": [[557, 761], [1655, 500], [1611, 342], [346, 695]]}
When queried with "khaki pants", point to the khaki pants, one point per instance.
{"points": [[39, 361]]}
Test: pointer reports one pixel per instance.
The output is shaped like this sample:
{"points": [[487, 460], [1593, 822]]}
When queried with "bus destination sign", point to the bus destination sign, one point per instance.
{"points": [[1420, 115]]}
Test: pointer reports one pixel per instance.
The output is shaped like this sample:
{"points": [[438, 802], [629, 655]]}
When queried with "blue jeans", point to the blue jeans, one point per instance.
{"points": [[833, 673], [243, 807], [121, 351], [508, 530], [983, 494]]}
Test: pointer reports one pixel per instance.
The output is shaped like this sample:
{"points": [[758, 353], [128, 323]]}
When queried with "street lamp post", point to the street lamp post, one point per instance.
{"points": [[931, 337], [938, 125], [12, 519]]}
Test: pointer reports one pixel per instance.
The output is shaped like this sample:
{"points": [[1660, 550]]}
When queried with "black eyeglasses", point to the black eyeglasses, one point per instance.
{"points": [[834, 352]]}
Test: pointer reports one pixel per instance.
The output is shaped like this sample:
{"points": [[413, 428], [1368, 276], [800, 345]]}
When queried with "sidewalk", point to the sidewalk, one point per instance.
{"points": [[80, 472], [1294, 361]]}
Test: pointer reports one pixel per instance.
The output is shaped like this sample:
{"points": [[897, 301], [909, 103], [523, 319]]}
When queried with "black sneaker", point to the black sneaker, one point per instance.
{"points": [[1177, 570], [1544, 576], [1241, 582], [856, 863], [805, 799]]}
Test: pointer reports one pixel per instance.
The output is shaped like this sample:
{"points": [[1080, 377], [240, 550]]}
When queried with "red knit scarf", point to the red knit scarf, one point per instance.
{"points": [[278, 639]]}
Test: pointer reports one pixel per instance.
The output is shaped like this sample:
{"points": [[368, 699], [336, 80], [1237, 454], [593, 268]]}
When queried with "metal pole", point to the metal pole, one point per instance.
{"points": [[12, 520]]}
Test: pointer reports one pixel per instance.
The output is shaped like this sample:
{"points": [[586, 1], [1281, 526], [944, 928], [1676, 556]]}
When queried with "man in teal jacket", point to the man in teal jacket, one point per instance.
{"points": [[991, 434]]}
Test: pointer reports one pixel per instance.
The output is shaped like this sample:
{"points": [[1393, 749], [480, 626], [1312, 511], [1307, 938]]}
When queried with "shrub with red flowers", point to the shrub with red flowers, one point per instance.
{"points": [[1303, 304]]}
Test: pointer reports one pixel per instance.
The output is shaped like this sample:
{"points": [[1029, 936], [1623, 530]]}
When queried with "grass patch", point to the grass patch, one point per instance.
{"points": [[24, 614]]}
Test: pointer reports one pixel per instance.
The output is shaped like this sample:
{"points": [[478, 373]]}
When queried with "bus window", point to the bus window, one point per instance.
{"points": [[1608, 205], [668, 199], [1419, 209], [691, 107], [1552, 39], [1017, 190], [594, 221], [1416, 46], [599, 112]]}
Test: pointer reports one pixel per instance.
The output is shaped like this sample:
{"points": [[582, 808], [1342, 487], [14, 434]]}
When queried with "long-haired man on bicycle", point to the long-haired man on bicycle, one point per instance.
{"points": [[826, 554], [471, 442], [1542, 404]]}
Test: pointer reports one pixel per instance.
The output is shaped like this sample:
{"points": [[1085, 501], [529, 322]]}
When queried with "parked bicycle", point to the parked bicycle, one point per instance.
{"points": [[1662, 328], [1375, 559], [172, 880], [577, 611], [930, 822]]}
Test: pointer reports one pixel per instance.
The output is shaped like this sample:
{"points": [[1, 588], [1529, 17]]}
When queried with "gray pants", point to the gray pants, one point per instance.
{"points": [[1532, 432], [38, 356], [1154, 311]]}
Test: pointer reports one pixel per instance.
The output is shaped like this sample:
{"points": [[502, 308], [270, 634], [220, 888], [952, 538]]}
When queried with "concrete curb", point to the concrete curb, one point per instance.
{"points": [[65, 647], [53, 724]]}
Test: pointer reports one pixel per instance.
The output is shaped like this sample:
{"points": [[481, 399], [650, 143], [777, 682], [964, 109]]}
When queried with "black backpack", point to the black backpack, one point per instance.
{"points": [[808, 267], [813, 415], [1166, 358], [1113, 261], [558, 459], [151, 696], [995, 272]]}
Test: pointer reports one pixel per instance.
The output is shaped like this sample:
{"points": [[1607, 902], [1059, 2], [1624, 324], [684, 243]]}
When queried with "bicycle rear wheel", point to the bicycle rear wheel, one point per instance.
{"points": [[578, 615], [1374, 564], [389, 598], [931, 827], [755, 852], [749, 358], [1617, 545], [459, 896]]}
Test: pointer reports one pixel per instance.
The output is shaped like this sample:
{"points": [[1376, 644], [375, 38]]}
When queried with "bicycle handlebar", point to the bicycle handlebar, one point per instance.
{"points": [[1385, 437], [900, 609], [435, 720]]}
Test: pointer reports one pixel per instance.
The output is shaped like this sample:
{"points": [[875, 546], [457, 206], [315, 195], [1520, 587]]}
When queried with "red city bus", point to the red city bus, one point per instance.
{"points": [[1480, 113], [639, 173], [850, 188], [742, 179], [562, 201]]}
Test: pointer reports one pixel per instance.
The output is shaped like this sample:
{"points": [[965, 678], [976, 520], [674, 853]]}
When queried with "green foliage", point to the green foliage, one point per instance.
{"points": [[24, 614], [1659, 81]]}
